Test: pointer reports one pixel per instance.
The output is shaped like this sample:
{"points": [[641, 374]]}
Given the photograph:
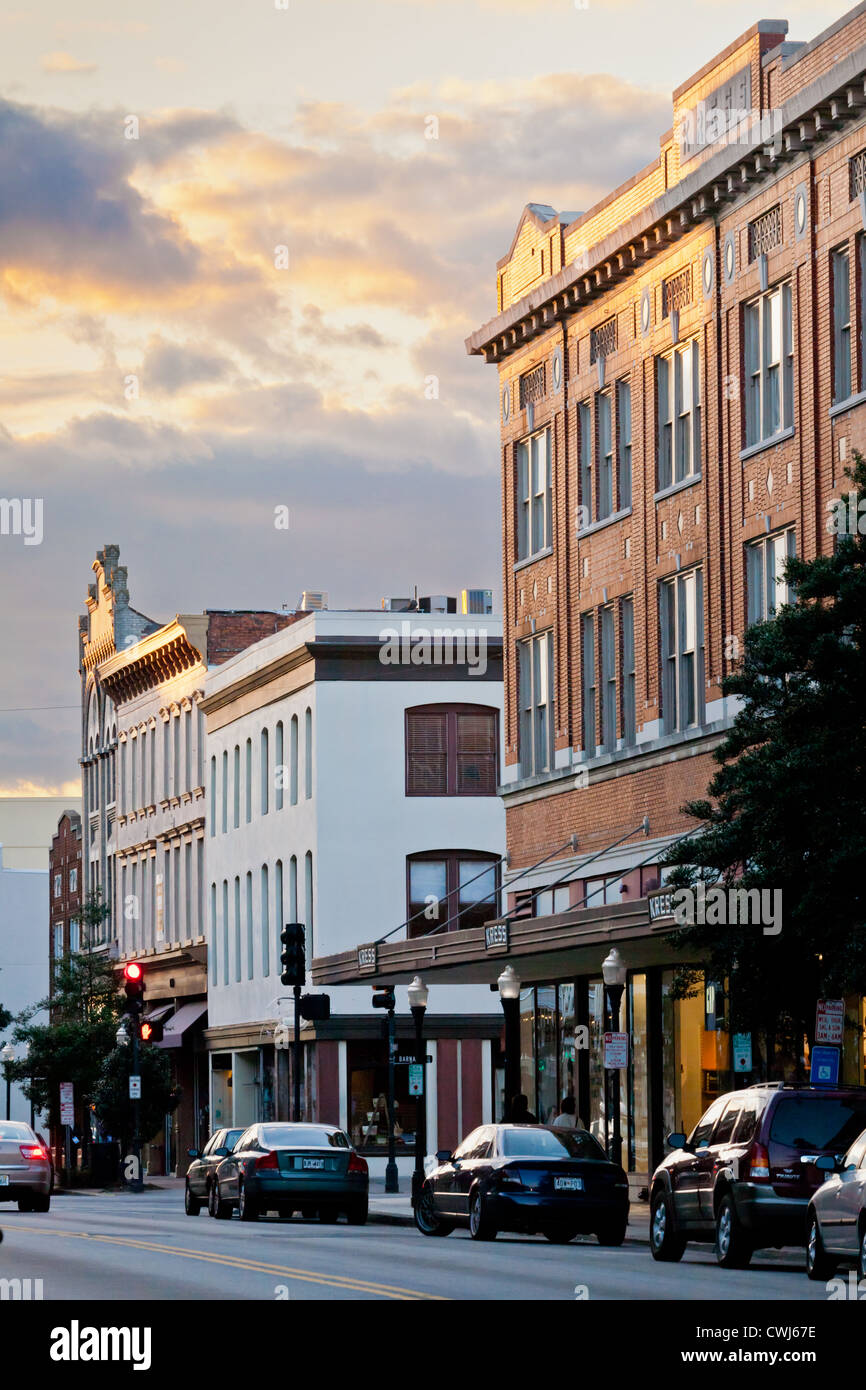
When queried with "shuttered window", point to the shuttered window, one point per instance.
{"points": [[451, 751]]}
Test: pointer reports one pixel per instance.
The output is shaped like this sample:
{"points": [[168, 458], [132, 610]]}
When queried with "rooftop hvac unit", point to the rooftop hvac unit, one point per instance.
{"points": [[313, 601], [437, 603], [397, 605], [477, 601]]}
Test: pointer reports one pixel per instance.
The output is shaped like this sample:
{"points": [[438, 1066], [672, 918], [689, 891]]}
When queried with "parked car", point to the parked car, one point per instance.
{"points": [[291, 1167], [836, 1221], [25, 1168], [745, 1175], [201, 1170], [526, 1178]]}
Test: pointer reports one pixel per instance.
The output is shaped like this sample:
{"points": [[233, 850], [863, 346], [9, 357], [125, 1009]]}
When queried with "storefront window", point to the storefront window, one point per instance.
{"points": [[638, 1137], [567, 1059], [268, 1084], [547, 1018], [595, 1118], [527, 1046], [368, 1100]]}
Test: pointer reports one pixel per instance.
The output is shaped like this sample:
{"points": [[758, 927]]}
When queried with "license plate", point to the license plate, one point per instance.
{"points": [[4, 1179], [568, 1184], [313, 1163]]}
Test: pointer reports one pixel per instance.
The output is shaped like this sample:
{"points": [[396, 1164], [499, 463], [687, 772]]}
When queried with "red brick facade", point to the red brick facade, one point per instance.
{"points": [[64, 883]]}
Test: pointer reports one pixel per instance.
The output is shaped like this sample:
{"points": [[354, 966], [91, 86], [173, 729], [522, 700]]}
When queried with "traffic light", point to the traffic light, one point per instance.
{"points": [[315, 1006], [293, 958], [133, 975], [383, 997], [151, 1031]]}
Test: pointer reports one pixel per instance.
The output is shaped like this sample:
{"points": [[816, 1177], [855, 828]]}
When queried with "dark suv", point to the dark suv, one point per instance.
{"points": [[744, 1176]]}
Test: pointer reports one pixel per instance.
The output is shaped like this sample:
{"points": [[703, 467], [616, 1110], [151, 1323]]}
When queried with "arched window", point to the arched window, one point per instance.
{"points": [[279, 769], [266, 923], [265, 771], [308, 753], [250, 952], [225, 930], [452, 750], [308, 901], [236, 802], [213, 934], [213, 781], [293, 759]]}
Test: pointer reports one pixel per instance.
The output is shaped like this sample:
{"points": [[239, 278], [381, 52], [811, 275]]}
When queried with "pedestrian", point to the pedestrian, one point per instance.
{"points": [[521, 1113], [568, 1117]]}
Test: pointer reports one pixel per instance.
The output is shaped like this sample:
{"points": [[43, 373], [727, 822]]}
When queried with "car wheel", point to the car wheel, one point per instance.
{"points": [[734, 1250], [480, 1225], [665, 1242], [41, 1201], [191, 1204], [216, 1206], [356, 1214], [861, 1255], [248, 1207], [329, 1216], [819, 1265], [427, 1219], [25, 1203], [614, 1234], [560, 1235]]}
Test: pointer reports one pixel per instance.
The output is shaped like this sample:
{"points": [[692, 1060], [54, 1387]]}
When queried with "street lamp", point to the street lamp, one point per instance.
{"points": [[8, 1055], [418, 996], [121, 1037], [509, 995], [614, 973]]}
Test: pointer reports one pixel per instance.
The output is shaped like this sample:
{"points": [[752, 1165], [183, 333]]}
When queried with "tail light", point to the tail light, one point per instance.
{"points": [[511, 1178], [32, 1151], [758, 1163], [357, 1164], [268, 1161]]}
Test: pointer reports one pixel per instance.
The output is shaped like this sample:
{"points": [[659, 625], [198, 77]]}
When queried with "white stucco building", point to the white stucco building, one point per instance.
{"points": [[352, 768]]}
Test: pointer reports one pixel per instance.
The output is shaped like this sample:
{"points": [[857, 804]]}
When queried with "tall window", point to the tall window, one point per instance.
{"points": [[682, 650], [629, 726], [608, 679], [535, 675], [236, 800], [214, 950], [250, 951], [293, 889], [58, 943], [187, 750], [266, 922], [279, 906], [584, 427], [766, 589], [308, 753], [74, 935], [248, 781], [623, 431], [279, 769], [145, 788], [308, 900], [769, 364], [237, 906], [604, 499], [265, 770], [861, 308], [166, 758], [175, 755], [678, 415], [451, 889], [213, 782], [841, 325], [587, 657], [293, 759], [225, 791], [225, 931], [534, 521], [451, 751]]}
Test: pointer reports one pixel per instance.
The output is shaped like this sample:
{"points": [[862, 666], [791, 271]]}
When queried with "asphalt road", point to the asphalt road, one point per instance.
{"points": [[144, 1247]]}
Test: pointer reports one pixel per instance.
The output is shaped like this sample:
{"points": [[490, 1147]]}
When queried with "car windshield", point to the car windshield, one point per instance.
{"points": [[232, 1138], [299, 1137], [14, 1129], [818, 1122], [550, 1143]]}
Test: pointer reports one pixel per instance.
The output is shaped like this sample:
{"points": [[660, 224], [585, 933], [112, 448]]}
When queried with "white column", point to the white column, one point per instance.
{"points": [[487, 1116], [343, 1084]]}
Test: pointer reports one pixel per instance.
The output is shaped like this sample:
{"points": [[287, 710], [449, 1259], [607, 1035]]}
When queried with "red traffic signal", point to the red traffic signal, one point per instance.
{"points": [[133, 975], [133, 971], [151, 1032]]}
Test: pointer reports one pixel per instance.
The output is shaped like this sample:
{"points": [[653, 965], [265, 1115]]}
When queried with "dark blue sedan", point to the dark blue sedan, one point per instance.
{"points": [[526, 1178]]}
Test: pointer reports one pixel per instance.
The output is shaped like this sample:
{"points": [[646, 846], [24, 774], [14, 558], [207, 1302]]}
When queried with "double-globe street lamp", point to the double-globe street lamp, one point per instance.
{"points": [[418, 996], [509, 995], [613, 969]]}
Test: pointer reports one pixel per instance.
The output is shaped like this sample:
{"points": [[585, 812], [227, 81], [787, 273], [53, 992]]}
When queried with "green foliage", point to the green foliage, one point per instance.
{"points": [[786, 808], [114, 1108]]}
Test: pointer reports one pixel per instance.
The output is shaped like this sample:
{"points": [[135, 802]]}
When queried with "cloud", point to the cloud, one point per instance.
{"points": [[171, 367], [63, 64]]}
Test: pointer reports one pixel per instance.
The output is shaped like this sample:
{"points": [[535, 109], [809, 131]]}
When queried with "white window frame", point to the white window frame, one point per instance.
{"points": [[768, 364], [678, 415], [840, 274], [766, 589], [681, 641], [535, 685], [604, 500], [534, 499], [623, 431]]}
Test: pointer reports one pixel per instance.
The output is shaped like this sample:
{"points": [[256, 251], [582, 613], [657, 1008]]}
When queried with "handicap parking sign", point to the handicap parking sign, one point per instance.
{"points": [[825, 1066]]}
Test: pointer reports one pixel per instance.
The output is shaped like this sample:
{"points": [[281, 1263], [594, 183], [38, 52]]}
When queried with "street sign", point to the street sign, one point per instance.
{"points": [[825, 1066], [742, 1052], [135, 1088], [830, 1022], [615, 1051], [416, 1079], [67, 1103], [409, 1058]]}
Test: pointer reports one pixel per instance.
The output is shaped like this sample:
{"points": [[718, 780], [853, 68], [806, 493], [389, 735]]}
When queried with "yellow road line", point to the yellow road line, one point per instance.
{"points": [[335, 1281]]}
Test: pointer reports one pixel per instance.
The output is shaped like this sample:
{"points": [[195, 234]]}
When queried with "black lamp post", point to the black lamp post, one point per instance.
{"points": [[8, 1055], [509, 995], [418, 995], [614, 973]]}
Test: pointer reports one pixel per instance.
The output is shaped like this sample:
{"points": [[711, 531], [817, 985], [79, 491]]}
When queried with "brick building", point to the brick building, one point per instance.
{"points": [[64, 887], [682, 379]]}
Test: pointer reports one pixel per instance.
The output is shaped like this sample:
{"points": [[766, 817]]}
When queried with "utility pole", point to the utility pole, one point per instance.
{"points": [[391, 1183], [294, 973], [296, 1064]]}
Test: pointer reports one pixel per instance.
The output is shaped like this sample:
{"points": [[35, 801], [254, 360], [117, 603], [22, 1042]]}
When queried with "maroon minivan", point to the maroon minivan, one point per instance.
{"points": [[744, 1176]]}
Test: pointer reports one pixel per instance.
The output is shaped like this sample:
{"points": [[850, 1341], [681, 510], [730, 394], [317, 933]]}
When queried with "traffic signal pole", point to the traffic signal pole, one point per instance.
{"points": [[391, 1182], [137, 1183], [296, 1108]]}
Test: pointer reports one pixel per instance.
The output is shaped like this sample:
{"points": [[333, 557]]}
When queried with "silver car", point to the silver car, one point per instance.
{"points": [[836, 1220], [25, 1167]]}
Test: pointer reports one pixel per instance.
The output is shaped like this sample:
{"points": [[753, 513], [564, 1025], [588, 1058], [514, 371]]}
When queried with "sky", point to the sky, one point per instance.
{"points": [[241, 246]]}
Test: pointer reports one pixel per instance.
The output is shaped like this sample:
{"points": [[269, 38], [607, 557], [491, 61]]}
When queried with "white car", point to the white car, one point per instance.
{"points": [[836, 1219]]}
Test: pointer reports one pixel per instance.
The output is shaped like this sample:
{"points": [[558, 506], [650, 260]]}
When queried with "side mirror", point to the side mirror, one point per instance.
{"points": [[827, 1163], [193, 1153], [677, 1140], [221, 1152], [443, 1155]]}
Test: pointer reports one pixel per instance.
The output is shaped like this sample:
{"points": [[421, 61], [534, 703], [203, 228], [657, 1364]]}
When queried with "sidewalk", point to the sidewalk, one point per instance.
{"points": [[396, 1209]]}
